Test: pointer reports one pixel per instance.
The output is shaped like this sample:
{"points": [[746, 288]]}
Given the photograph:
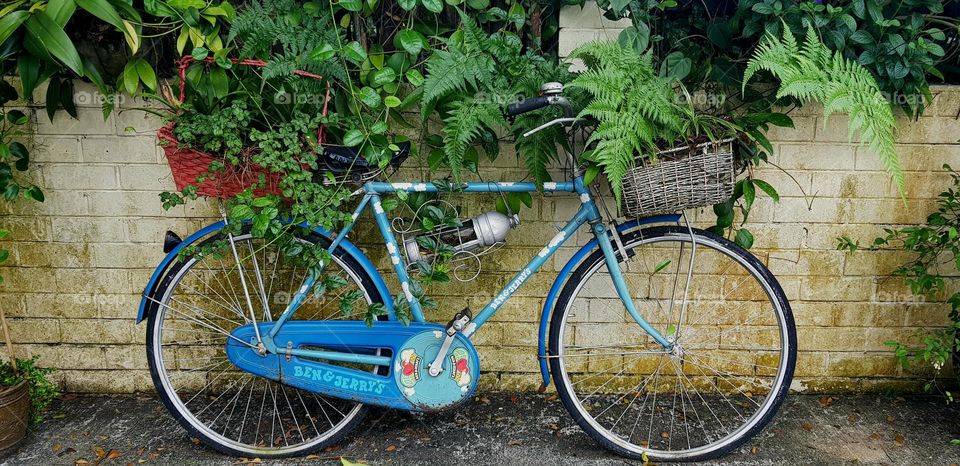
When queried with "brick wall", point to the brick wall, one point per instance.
{"points": [[80, 259]]}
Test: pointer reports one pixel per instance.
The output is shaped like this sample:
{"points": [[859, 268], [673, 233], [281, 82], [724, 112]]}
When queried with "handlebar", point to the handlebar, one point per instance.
{"points": [[528, 105]]}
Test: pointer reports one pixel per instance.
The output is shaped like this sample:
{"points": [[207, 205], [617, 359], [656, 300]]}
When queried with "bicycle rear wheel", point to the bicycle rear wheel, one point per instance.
{"points": [[725, 377], [199, 303]]}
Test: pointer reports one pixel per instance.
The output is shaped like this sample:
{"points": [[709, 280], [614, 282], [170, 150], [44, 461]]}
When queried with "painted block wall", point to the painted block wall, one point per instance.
{"points": [[80, 260]]}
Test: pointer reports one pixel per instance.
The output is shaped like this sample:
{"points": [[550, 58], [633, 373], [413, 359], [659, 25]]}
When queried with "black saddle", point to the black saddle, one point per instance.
{"points": [[346, 162]]}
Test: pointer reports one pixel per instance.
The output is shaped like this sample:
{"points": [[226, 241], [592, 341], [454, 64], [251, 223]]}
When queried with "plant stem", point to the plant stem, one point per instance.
{"points": [[6, 338]]}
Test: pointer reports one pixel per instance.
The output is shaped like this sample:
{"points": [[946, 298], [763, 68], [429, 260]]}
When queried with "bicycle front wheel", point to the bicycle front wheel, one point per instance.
{"points": [[200, 302], [728, 371]]}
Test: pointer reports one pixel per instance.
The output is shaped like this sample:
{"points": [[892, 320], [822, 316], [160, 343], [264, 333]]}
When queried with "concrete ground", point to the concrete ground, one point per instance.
{"points": [[506, 429]]}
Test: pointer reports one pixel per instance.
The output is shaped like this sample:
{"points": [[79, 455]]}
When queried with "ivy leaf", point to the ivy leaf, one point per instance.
{"points": [[635, 37], [322, 53], [199, 53], [354, 137], [370, 97], [407, 4], [241, 212], [434, 6], [392, 101], [762, 8], [384, 76], [35, 193], [676, 66], [617, 6], [749, 193], [414, 77], [131, 79], [411, 41], [146, 73], [351, 5], [765, 187], [744, 238], [354, 52]]}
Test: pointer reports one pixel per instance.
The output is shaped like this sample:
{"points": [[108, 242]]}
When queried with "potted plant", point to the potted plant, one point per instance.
{"points": [[14, 397], [25, 392]]}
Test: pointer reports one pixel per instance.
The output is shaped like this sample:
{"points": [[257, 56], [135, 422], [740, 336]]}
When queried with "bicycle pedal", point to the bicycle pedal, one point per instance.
{"points": [[459, 321]]}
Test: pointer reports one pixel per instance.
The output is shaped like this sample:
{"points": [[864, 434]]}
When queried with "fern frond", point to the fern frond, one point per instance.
{"points": [[447, 71], [463, 126], [812, 72]]}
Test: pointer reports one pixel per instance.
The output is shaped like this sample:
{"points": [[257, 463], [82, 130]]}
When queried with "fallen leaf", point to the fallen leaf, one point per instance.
{"points": [[852, 418], [332, 448], [754, 450], [552, 397], [101, 453], [826, 401], [391, 448], [899, 439], [312, 457], [890, 419], [57, 447], [81, 461], [513, 398], [113, 454], [141, 461], [195, 440], [807, 426], [515, 443], [664, 434]]}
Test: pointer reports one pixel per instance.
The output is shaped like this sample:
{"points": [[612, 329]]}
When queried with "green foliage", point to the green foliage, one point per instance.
{"points": [[935, 247], [470, 82], [636, 111], [14, 157], [464, 123], [47, 40], [42, 390], [811, 72]]}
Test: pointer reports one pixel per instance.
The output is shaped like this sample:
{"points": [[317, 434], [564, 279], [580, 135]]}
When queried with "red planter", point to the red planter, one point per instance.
{"points": [[188, 164]]}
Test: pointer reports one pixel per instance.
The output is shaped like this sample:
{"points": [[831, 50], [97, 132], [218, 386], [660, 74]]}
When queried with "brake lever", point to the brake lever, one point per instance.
{"points": [[549, 124]]}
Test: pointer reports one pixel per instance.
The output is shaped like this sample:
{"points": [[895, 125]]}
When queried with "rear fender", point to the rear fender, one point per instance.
{"points": [[148, 306]]}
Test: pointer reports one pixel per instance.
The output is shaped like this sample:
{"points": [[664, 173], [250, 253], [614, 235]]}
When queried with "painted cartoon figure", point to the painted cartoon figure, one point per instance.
{"points": [[460, 368], [410, 369]]}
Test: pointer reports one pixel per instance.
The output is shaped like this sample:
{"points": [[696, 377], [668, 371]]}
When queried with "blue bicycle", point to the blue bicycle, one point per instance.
{"points": [[664, 341]]}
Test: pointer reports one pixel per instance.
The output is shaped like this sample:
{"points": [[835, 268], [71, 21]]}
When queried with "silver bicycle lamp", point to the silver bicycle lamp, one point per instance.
{"points": [[486, 229]]}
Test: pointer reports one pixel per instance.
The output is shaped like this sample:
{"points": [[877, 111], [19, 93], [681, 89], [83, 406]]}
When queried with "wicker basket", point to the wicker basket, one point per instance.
{"points": [[681, 178]]}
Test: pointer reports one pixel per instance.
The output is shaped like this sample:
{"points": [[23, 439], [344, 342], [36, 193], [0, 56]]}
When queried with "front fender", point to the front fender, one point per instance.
{"points": [[565, 272], [147, 306]]}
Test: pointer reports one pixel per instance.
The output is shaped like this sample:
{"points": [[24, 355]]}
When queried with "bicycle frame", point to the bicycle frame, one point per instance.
{"points": [[587, 214]]}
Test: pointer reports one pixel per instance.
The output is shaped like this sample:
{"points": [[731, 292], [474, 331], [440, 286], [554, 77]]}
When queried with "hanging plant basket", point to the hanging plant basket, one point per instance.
{"points": [[14, 415], [191, 167], [680, 178]]}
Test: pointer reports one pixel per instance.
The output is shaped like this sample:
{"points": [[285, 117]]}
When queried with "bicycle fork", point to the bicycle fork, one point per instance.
{"points": [[620, 284]]}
